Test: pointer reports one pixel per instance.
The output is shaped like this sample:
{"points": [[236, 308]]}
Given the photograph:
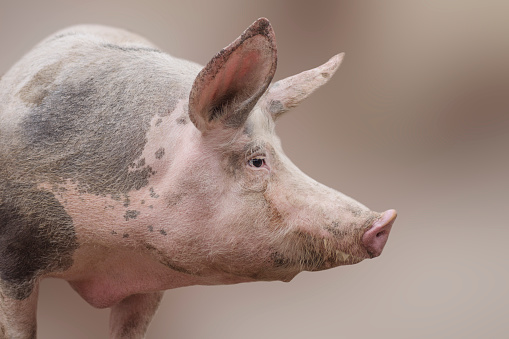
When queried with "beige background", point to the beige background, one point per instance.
{"points": [[416, 119]]}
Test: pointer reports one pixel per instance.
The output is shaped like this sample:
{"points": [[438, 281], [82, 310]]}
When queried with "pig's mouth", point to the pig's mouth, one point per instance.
{"points": [[315, 253], [313, 261]]}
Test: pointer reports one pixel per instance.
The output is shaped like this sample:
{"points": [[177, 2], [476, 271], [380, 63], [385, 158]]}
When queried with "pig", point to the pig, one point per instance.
{"points": [[127, 172]]}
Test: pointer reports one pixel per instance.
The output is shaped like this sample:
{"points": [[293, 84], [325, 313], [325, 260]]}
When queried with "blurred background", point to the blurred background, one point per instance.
{"points": [[416, 119]]}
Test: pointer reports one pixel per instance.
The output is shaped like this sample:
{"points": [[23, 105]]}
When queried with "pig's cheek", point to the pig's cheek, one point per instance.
{"points": [[255, 181]]}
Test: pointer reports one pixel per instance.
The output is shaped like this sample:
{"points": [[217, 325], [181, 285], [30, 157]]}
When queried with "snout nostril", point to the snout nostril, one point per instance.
{"points": [[374, 239]]}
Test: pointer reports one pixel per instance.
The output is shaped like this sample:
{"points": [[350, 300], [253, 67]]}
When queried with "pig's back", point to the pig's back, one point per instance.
{"points": [[79, 105]]}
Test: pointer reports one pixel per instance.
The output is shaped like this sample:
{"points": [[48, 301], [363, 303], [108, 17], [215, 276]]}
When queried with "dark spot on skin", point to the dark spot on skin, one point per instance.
{"points": [[159, 153], [150, 206], [276, 107], [234, 163], [142, 202], [41, 84], [36, 236], [140, 163], [337, 230], [150, 228], [356, 212], [127, 201], [325, 75], [175, 198], [276, 218], [173, 102], [149, 247], [182, 120], [153, 194], [280, 261], [113, 232], [125, 235], [248, 128], [163, 232], [131, 214], [131, 48], [158, 122]]}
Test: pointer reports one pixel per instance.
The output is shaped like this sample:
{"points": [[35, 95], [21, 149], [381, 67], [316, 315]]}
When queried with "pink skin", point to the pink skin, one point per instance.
{"points": [[376, 237]]}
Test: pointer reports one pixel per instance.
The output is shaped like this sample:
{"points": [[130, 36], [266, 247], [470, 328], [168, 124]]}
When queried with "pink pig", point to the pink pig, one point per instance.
{"points": [[126, 172]]}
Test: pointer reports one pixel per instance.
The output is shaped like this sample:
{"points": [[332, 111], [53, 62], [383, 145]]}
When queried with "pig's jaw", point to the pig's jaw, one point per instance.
{"points": [[314, 253]]}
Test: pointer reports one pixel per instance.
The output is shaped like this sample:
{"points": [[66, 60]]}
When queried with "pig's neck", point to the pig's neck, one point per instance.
{"points": [[125, 273], [131, 271]]}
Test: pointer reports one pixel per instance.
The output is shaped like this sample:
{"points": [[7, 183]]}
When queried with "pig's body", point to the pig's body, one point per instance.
{"points": [[126, 172]]}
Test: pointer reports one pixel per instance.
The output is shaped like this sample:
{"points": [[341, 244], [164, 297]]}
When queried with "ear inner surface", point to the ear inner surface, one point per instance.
{"points": [[229, 86]]}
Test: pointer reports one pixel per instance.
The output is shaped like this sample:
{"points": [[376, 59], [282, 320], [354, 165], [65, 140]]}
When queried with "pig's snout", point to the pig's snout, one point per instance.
{"points": [[375, 238]]}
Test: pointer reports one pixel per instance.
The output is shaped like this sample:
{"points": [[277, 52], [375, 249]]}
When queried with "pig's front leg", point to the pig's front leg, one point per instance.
{"points": [[18, 317], [130, 317]]}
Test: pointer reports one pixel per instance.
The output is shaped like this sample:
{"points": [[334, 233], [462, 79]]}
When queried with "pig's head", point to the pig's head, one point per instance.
{"points": [[250, 212]]}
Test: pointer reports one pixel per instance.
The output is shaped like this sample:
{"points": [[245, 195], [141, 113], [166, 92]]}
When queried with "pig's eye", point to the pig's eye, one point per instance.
{"points": [[257, 162]]}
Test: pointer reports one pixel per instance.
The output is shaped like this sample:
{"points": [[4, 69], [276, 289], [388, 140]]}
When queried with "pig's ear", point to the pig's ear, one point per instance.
{"points": [[226, 90], [289, 92]]}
